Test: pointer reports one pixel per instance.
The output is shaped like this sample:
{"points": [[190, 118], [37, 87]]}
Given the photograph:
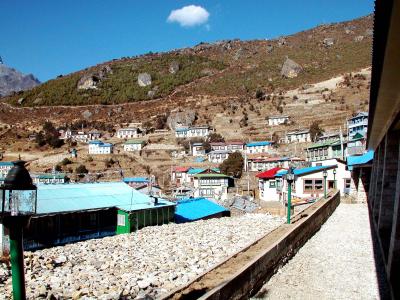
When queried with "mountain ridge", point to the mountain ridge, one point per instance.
{"points": [[224, 68], [12, 80]]}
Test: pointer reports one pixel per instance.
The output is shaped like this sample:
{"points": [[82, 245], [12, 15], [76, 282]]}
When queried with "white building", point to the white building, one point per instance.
{"points": [[196, 131], [5, 167], [261, 163], [212, 185], [94, 135], [128, 133], [267, 185], [198, 149], [218, 156], [258, 147], [278, 120], [357, 124], [133, 145], [309, 182], [232, 146], [298, 136], [49, 178], [342, 176], [99, 147]]}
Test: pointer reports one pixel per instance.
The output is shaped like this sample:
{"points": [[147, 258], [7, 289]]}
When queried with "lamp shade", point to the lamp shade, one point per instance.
{"points": [[18, 193]]}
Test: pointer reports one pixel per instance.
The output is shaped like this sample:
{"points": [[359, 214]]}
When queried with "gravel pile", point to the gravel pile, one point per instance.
{"points": [[149, 262], [336, 263]]}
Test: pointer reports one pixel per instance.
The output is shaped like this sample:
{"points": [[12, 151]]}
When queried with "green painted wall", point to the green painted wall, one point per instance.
{"points": [[149, 217]]}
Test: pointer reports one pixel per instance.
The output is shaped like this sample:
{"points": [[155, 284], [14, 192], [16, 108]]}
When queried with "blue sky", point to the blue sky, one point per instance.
{"points": [[48, 37]]}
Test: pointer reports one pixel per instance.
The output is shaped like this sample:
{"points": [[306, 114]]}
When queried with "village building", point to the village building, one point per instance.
{"points": [[357, 144], [99, 147], [308, 184], [195, 131], [232, 146], [80, 136], [342, 177], [267, 184], [258, 147], [323, 150], [357, 124], [298, 136], [179, 175], [194, 209], [128, 133], [94, 135], [5, 166], [75, 212], [212, 185], [258, 163], [192, 172], [278, 120], [198, 149], [50, 178], [334, 136], [218, 156], [133, 145]]}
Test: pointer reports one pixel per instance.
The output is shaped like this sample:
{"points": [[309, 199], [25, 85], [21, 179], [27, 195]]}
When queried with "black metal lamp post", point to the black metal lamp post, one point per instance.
{"points": [[289, 178], [18, 204], [334, 179], [325, 174]]}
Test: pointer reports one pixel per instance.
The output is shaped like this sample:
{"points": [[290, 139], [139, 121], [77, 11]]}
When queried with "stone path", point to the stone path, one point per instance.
{"points": [[148, 263], [336, 263]]}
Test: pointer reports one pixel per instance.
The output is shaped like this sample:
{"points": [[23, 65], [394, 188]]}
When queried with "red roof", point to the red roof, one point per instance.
{"points": [[181, 169], [269, 174]]}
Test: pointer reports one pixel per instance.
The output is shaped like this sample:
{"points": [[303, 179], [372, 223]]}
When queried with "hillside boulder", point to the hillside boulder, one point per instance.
{"points": [[144, 79], [328, 42], [181, 119], [290, 69], [88, 82], [174, 67]]}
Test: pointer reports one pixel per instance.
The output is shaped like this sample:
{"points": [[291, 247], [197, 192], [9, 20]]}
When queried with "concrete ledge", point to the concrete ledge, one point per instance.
{"points": [[261, 260]]}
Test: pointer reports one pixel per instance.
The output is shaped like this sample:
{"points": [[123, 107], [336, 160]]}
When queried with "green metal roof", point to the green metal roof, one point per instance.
{"points": [[211, 175], [322, 144], [133, 142], [63, 198]]}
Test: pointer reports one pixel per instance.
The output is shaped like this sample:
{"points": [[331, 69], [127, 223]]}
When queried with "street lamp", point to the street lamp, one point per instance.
{"points": [[325, 174], [18, 204], [334, 179], [289, 178]]}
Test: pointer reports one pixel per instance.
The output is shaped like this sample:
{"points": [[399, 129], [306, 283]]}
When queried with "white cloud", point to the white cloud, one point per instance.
{"points": [[189, 16]]}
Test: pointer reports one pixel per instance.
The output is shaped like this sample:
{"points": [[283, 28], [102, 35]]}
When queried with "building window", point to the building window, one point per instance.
{"points": [[120, 220], [313, 185], [272, 184]]}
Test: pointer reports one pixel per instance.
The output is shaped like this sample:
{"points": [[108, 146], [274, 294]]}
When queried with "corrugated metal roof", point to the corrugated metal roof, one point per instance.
{"points": [[305, 171], [199, 170], [269, 174], [262, 143], [360, 159], [195, 209], [134, 142], [6, 163], [61, 198], [136, 179]]}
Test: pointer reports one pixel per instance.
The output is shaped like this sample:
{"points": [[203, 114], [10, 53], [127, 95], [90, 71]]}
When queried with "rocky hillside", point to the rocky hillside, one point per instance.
{"points": [[12, 80], [221, 69]]}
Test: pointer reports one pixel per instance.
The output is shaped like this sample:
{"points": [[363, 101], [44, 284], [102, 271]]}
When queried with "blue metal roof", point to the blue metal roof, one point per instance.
{"points": [[95, 142], [195, 209], [359, 159], [6, 163], [199, 159], [136, 179], [255, 144], [181, 129], [62, 198], [305, 171]]}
